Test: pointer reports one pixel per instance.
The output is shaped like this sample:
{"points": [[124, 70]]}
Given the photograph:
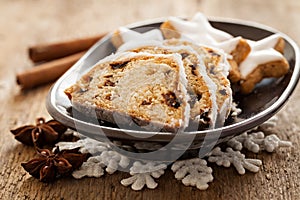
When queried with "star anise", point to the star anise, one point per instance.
{"points": [[49, 166], [43, 133]]}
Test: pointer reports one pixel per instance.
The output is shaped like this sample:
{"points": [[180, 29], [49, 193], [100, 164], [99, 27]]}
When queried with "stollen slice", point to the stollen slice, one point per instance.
{"points": [[135, 89]]}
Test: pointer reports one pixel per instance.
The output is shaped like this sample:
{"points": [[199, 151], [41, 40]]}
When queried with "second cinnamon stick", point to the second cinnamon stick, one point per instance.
{"points": [[47, 72], [47, 52]]}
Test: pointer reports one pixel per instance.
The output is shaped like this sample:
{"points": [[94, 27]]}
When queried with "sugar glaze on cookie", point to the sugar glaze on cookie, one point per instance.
{"points": [[128, 35], [200, 30], [123, 35], [262, 52]]}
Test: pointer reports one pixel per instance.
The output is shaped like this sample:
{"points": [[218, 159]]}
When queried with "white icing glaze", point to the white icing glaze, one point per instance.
{"points": [[134, 44], [129, 35], [184, 82], [224, 110], [223, 65], [212, 87], [199, 30], [261, 52], [209, 82], [217, 34], [115, 56], [212, 90], [266, 43], [229, 45]]}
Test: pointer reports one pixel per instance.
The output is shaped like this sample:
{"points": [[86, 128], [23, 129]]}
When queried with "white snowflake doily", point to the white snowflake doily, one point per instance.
{"points": [[191, 172], [236, 158], [144, 174], [257, 141]]}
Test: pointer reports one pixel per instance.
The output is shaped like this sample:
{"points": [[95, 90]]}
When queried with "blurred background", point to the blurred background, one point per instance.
{"points": [[29, 22]]}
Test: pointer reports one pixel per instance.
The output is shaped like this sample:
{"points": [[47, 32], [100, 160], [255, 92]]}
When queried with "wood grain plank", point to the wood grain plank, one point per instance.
{"points": [[33, 22]]}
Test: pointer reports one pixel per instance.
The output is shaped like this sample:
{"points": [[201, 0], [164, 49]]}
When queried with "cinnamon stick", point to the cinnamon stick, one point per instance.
{"points": [[47, 72], [47, 52]]}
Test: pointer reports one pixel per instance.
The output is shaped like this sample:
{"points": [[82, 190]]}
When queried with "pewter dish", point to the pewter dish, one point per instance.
{"points": [[267, 98]]}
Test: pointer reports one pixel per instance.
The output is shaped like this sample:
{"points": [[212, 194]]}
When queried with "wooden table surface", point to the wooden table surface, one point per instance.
{"points": [[24, 23]]}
